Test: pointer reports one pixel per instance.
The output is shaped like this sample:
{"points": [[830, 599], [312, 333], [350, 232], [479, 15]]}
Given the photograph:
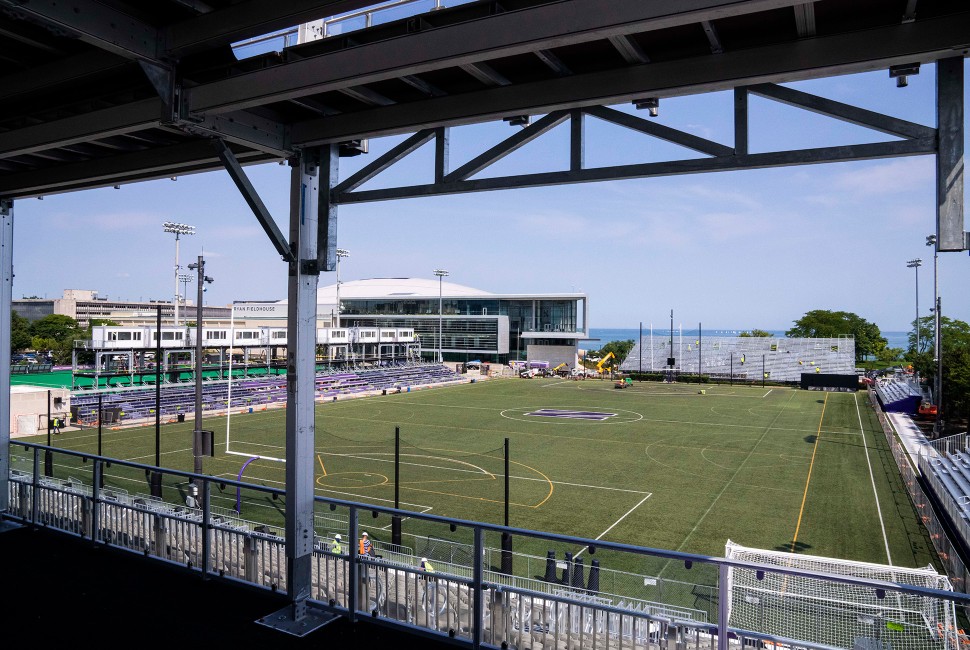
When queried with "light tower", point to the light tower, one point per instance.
{"points": [[197, 442], [915, 264], [937, 344], [341, 252], [441, 273], [178, 229]]}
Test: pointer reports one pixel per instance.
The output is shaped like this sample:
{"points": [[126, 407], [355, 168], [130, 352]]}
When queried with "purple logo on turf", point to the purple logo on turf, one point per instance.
{"points": [[572, 415]]}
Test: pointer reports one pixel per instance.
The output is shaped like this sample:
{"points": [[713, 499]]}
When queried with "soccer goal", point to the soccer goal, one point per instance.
{"points": [[839, 614]]}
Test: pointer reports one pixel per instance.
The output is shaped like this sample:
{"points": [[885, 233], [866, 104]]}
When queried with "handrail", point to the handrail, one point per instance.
{"points": [[193, 536]]}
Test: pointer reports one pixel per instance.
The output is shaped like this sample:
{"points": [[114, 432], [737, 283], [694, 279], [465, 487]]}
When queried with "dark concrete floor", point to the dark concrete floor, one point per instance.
{"points": [[59, 589]]}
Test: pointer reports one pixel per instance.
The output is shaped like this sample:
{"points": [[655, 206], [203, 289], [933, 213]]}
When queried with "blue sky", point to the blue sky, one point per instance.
{"points": [[731, 250]]}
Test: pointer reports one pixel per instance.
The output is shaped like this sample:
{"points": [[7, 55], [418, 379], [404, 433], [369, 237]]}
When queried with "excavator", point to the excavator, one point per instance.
{"points": [[602, 362], [561, 369]]}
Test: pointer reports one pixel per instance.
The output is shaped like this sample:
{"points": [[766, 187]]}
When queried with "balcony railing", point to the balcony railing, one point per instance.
{"points": [[480, 594]]}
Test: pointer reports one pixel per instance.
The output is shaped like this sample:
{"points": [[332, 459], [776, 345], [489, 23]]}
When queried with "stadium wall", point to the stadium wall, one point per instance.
{"points": [[828, 380]]}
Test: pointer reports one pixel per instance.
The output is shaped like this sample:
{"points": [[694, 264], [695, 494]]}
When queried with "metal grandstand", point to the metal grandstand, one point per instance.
{"points": [[744, 358]]}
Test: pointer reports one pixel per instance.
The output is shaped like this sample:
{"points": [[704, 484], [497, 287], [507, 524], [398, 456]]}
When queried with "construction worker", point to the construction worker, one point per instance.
{"points": [[57, 426], [430, 589], [365, 547], [336, 547]]}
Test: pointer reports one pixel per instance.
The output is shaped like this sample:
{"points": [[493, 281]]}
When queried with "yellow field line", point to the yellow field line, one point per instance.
{"points": [[465, 496], [320, 460], [449, 480], [808, 480]]}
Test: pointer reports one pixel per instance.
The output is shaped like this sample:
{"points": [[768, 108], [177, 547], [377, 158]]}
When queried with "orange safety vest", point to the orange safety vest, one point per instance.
{"points": [[365, 546]]}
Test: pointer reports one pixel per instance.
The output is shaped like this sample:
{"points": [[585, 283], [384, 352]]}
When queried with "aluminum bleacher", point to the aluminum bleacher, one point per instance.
{"points": [[898, 395], [130, 404], [747, 358]]}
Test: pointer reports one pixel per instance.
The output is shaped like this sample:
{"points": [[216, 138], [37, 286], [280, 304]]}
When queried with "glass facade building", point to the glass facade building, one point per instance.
{"points": [[474, 324]]}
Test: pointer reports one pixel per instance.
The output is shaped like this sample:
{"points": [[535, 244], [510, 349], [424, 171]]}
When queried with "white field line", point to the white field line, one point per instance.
{"points": [[614, 524], [418, 506], [729, 482], [768, 393], [592, 487], [483, 471], [872, 479]]}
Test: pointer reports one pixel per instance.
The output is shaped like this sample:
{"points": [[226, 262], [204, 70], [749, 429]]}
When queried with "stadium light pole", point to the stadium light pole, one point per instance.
{"points": [[341, 252], [915, 264], [937, 346], [441, 273], [178, 229], [197, 433], [184, 278]]}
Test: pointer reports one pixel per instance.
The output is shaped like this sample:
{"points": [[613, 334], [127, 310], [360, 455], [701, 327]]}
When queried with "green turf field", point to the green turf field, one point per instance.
{"points": [[665, 467]]}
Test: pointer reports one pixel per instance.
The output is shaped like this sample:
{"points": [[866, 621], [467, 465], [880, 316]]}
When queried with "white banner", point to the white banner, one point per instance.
{"points": [[251, 310], [272, 310]]}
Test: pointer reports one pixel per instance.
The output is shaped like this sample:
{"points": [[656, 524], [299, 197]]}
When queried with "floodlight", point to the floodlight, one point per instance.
{"points": [[440, 273], [177, 229], [650, 103], [902, 72]]}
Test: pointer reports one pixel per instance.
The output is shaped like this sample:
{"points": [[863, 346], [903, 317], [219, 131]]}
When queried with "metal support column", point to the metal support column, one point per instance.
{"points": [[949, 158], [310, 171], [6, 295]]}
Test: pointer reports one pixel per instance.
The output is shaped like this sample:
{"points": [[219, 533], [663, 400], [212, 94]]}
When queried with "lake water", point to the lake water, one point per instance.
{"points": [[607, 335]]}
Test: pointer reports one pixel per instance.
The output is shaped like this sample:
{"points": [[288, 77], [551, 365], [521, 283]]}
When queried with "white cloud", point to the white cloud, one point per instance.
{"points": [[894, 177]]}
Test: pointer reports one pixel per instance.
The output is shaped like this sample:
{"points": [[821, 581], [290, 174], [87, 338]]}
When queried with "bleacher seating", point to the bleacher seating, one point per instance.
{"points": [[127, 404], [898, 395], [781, 359]]}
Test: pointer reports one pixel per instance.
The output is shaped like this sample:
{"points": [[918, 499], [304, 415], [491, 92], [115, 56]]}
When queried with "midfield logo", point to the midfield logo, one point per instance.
{"points": [[574, 415]]}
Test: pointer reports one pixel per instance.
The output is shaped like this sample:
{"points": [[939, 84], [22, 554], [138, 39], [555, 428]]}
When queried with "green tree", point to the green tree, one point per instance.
{"points": [[620, 350], [56, 327], [822, 323], [756, 333], [19, 332], [955, 355], [57, 333]]}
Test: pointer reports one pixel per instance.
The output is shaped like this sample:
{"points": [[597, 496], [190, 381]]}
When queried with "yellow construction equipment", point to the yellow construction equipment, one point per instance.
{"points": [[602, 362]]}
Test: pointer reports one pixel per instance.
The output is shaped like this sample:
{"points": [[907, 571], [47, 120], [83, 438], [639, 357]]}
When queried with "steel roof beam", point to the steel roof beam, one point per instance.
{"points": [[94, 23], [844, 112], [95, 125], [554, 62], [515, 32], [875, 49], [249, 19], [712, 37], [251, 196], [179, 159], [629, 50], [681, 138], [870, 151], [805, 20], [54, 75]]}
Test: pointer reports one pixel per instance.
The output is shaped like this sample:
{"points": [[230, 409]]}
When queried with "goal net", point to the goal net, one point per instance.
{"points": [[838, 614]]}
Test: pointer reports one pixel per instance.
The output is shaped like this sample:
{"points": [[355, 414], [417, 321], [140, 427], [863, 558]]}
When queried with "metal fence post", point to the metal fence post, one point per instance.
{"points": [[723, 593], [96, 501], [35, 489], [351, 585], [477, 588], [206, 529]]}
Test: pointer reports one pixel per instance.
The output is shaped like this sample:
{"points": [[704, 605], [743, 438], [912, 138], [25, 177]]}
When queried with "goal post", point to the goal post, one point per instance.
{"points": [[838, 614]]}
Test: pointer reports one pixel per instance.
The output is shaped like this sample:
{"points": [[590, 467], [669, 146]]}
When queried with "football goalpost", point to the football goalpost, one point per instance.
{"points": [[839, 614], [250, 311]]}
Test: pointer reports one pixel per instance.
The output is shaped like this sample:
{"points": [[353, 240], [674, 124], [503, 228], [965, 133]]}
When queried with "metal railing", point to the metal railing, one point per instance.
{"points": [[945, 549], [472, 602]]}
